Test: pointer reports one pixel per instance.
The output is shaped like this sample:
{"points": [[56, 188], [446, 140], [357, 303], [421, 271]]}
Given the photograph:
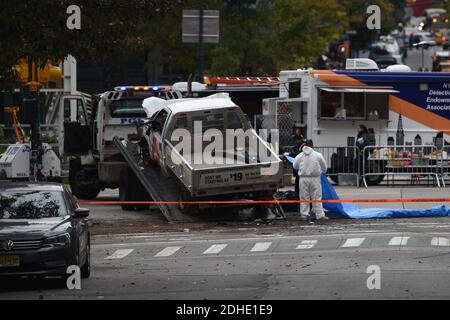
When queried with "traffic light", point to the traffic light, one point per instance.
{"points": [[45, 73], [49, 73], [22, 72]]}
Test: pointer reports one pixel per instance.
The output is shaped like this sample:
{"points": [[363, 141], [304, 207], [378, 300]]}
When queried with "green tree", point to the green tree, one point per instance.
{"points": [[248, 40], [305, 28], [356, 12], [37, 29]]}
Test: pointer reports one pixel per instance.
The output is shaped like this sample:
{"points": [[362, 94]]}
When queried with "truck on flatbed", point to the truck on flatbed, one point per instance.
{"points": [[189, 151], [95, 163]]}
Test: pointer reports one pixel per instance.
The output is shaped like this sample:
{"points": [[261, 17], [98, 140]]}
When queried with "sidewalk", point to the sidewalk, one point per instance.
{"points": [[394, 193]]}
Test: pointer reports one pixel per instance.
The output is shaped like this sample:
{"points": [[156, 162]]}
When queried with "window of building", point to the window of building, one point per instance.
{"points": [[354, 105], [377, 103], [330, 102], [358, 103]]}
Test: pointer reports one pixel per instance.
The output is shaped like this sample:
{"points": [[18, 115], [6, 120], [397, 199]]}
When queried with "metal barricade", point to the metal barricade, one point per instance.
{"points": [[445, 164], [386, 162], [343, 164]]}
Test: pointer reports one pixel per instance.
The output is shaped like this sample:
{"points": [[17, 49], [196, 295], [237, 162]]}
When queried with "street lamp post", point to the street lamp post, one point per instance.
{"points": [[201, 54]]}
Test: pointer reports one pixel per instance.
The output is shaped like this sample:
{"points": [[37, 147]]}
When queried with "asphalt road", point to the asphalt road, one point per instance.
{"points": [[273, 266], [252, 260], [312, 264], [414, 59]]}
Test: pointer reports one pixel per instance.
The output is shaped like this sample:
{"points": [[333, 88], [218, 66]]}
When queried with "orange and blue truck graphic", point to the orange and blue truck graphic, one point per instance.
{"points": [[423, 97]]}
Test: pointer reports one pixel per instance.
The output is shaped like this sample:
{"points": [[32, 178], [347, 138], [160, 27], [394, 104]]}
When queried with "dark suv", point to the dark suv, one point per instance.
{"points": [[42, 231]]}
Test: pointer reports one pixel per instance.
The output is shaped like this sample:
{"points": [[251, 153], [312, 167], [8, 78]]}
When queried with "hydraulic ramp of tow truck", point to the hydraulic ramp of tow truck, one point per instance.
{"points": [[160, 187]]}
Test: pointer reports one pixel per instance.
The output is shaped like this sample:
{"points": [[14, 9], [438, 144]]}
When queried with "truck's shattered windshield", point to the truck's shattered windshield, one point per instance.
{"points": [[127, 109]]}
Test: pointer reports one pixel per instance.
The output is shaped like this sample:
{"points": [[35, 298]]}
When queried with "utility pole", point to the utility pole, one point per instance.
{"points": [[32, 107], [33, 74], [201, 53]]}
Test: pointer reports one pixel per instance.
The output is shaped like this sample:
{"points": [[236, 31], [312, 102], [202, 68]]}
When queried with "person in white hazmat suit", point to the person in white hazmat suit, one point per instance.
{"points": [[310, 165]]}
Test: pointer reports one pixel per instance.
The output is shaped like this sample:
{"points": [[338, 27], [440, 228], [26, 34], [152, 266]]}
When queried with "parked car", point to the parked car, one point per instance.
{"points": [[43, 231], [382, 57], [390, 44], [423, 36], [438, 58]]}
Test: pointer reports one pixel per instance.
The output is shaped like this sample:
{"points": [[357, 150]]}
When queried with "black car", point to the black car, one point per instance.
{"points": [[382, 57], [42, 231]]}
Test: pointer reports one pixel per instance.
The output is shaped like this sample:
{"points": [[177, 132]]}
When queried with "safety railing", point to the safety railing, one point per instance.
{"points": [[385, 163], [445, 165], [344, 164]]}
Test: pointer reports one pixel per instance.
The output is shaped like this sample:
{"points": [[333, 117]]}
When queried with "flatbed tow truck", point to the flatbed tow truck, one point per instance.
{"points": [[159, 170]]}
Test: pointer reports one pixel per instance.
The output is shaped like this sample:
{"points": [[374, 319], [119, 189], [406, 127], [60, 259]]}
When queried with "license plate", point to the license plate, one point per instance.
{"points": [[9, 261], [230, 178]]}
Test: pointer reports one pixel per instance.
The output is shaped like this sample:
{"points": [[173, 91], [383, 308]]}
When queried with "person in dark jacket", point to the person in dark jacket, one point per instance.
{"points": [[297, 139], [362, 139], [299, 143]]}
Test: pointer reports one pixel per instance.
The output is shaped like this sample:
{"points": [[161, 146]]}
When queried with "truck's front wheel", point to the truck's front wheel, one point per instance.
{"points": [[131, 190], [184, 199], [82, 184]]}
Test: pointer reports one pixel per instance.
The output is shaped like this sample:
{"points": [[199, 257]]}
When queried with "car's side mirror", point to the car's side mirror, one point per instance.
{"points": [[81, 213]]}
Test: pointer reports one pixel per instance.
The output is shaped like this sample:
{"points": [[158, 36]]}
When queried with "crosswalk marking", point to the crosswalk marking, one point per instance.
{"points": [[167, 252], [215, 249], [255, 247], [307, 244], [120, 254], [261, 246], [353, 242], [440, 242], [399, 241]]}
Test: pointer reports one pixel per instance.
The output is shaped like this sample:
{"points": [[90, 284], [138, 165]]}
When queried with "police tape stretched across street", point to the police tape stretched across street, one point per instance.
{"points": [[310, 165]]}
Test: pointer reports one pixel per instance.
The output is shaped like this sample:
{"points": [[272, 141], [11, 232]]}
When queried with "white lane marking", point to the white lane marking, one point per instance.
{"points": [[399, 241], [440, 242], [306, 244], [167, 252], [261, 246], [292, 238], [120, 254], [215, 249], [353, 242]]}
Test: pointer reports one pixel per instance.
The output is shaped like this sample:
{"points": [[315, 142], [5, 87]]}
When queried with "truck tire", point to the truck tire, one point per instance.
{"points": [[80, 188], [125, 189], [375, 180], [131, 189], [189, 209]]}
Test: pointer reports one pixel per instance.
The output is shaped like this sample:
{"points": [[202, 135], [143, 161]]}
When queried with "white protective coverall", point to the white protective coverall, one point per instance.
{"points": [[310, 165]]}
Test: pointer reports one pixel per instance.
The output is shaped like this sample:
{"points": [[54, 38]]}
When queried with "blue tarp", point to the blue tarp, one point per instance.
{"points": [[354, 212]]}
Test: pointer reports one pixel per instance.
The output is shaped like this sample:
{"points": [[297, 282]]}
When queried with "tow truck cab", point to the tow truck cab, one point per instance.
{"points": [[96, 163]]}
